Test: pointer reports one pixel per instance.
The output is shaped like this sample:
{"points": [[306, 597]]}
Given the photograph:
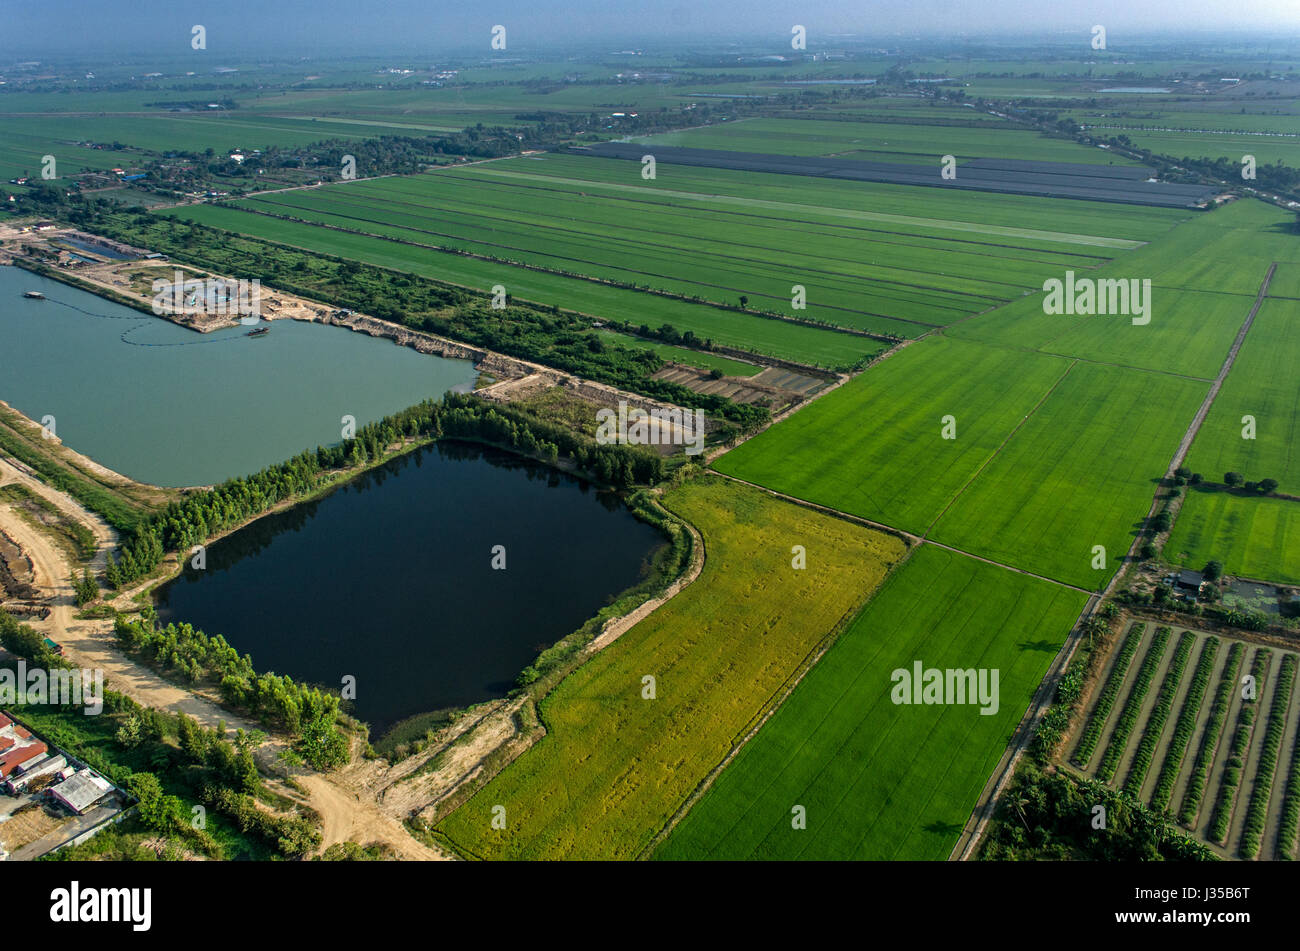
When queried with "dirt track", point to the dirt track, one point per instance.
{"points": [[91, 644], [346, 815]]}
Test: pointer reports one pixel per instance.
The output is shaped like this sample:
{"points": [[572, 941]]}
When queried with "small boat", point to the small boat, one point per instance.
{"points": [[258, 332], [35, 295]]}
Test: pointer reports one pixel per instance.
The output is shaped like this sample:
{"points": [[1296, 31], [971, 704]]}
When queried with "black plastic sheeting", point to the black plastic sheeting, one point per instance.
{"points": [[1115, 183]]}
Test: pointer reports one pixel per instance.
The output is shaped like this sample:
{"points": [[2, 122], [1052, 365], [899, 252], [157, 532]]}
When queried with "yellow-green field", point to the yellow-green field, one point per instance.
{"points": [[614, 767]]}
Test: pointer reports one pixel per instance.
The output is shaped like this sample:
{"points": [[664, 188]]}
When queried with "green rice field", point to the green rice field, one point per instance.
{"points": [[879, 780], [721, 651], [1253, 537], [1261, 385]]}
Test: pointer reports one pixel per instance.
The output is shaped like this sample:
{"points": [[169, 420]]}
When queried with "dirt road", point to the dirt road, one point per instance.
{"points": [[92, 644], [976, 825], [346, 815]]}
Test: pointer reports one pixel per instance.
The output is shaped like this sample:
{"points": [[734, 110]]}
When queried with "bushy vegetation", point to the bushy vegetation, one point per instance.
{"points": [[1133, 705], [1210, 737], [1106, 699], [85, 588], [1237, 752], [1057, 719], [169, 762], [1185, 726], [304, 712], [1290, 819], [1051, 816], [1257, 812], [1155, 724]]}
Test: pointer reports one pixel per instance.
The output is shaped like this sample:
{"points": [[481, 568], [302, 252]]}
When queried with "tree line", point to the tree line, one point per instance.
{"points": [[308, 714], [547, 335], [195, 517], [154, 755]]}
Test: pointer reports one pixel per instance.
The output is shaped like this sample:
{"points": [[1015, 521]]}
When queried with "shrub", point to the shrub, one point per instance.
{"points": [[1159, 714], [1210, 738], [1101, 710], [1133, 705], [1185, 726], [1236, 756], [1256, 812]]}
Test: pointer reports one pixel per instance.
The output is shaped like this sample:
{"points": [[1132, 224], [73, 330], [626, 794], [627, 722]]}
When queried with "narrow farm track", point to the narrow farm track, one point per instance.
{"points": [[1217, 385], [983, 812], [967, 843], [92, 645]]}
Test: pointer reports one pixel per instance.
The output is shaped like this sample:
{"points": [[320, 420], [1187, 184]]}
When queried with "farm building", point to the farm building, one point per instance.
{"points": [[18, 755], [34, 769], [81, 790], [1190, 581]]}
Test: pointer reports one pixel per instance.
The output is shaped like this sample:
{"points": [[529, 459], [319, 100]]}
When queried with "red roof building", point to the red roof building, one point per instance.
{"points": [[19, 756]]}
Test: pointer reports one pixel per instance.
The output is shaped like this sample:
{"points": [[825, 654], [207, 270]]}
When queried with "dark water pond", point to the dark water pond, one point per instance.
{"points": [[396, 587]]}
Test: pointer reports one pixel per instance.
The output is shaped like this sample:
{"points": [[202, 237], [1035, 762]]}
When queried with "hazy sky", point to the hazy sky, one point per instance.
{"points": [[113, 27]]}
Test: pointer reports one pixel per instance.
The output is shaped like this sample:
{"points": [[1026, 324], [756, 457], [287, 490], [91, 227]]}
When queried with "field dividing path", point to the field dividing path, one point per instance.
{"points": [[966, 844], [1217, 385]]}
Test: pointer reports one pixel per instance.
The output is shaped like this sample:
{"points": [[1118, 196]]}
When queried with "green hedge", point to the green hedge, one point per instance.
{"points": [[1237, 753], [1210, 738], [1185, 726], [1257, 812], [1159, 714], [1133, 706], [1286, 828], [1097, 722]]}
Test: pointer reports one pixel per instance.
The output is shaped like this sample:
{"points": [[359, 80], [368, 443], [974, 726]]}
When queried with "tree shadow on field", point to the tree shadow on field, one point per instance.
{"points": [[1044, 646], [944, 828]]}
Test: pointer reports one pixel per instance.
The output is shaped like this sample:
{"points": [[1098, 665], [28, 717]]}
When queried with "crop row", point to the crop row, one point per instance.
{"points": [[1256, 814], [1286, 827], [1106, 700], [1236, 761], [1185, 726], [1133, 706], [1210, 738], [1159, 714]]}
